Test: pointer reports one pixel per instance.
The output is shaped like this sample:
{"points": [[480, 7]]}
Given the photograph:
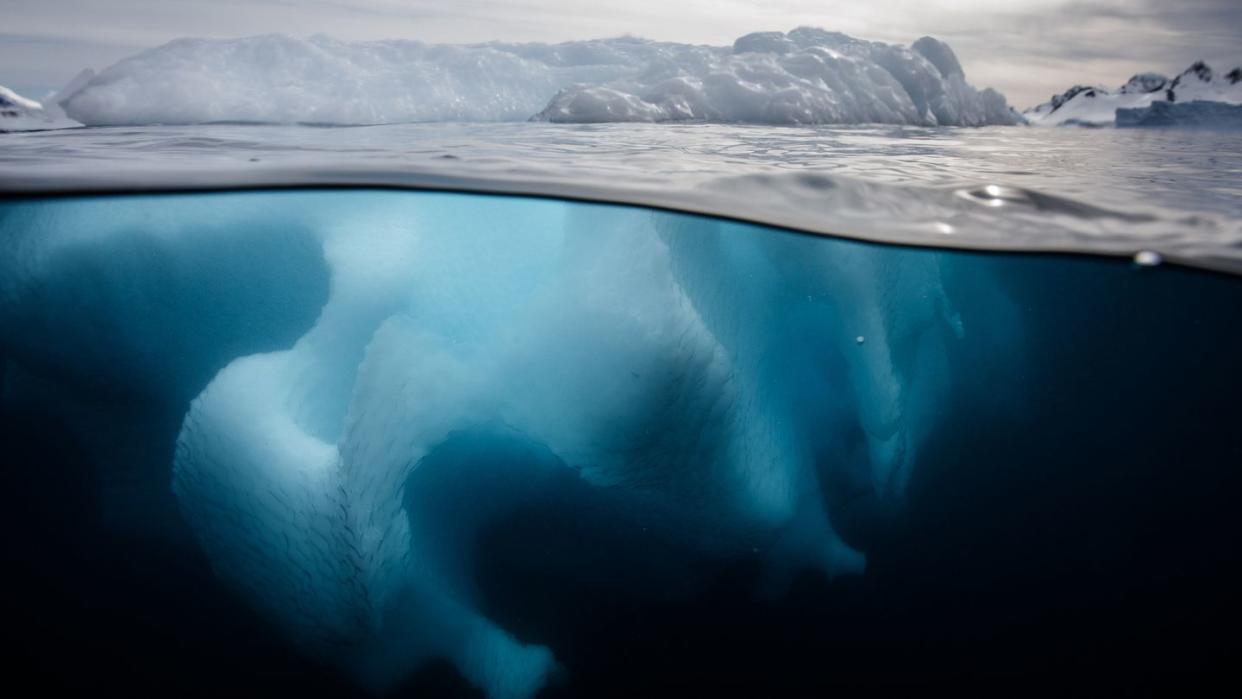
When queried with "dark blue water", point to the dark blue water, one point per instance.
{"points": [[1059, 515]]}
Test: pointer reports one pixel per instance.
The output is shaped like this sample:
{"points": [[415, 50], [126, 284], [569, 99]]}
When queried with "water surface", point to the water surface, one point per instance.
{"points": [[1115, 191]]}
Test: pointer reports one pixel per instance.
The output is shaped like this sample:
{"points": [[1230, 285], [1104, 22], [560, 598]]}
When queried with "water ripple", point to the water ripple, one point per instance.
{"points": [[1176, 194]]}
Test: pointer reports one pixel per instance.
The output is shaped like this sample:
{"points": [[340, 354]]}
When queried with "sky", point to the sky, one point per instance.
{"points": [[1027, 49]]}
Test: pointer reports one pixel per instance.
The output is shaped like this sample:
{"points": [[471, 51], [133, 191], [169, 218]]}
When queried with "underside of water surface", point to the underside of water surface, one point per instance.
{"points": [[330, 442]]}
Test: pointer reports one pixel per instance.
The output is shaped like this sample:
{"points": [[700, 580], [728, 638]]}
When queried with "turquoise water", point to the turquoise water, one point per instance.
{"points": [[344, 441]]}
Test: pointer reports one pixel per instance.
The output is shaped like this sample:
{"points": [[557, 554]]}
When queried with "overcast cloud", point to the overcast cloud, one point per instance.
{"points": [[1027, 49]]}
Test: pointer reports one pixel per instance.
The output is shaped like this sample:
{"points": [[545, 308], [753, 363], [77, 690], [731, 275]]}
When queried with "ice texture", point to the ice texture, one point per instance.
{"points": [[805, 76], [321, 346], [808, 76], [280, 79], [1197, 114], [1097, 106]]}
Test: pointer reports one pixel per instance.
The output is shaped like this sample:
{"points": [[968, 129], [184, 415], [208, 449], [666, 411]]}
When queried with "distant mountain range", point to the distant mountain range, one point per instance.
{"points": [[1084, 105], [18, 113]]}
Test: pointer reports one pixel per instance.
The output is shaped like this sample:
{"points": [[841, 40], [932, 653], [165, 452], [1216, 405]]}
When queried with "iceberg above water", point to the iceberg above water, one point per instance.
{"points": [[808, 76], [280, 79], [1096, 106], [1198, 114]]}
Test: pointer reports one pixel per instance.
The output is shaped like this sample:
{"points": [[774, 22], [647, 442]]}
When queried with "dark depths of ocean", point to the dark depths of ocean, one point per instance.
{"points": [[1088, 542]]}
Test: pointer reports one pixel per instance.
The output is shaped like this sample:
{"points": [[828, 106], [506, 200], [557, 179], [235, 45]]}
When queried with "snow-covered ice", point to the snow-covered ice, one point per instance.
{"points": [[804, 77], [280, 79], [808, 76]]}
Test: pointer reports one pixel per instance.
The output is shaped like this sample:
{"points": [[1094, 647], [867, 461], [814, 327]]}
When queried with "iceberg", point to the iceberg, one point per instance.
{"points": [[803, 77], [1097, 106], [312, 350], [280, 79], [808, 76], [1197, 114]]}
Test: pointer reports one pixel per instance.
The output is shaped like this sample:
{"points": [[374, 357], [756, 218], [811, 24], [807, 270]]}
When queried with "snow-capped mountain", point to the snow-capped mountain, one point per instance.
{"points": [[1097, 106], [20, 113]]}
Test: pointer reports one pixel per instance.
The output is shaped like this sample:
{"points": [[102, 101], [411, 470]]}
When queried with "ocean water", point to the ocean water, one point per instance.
{"points": [[1109, 191], [1179, 170], [717, 410]]}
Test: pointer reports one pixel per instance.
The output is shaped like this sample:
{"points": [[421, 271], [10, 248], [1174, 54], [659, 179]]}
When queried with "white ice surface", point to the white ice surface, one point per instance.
{"points": [[805, 76], [808, 76]]}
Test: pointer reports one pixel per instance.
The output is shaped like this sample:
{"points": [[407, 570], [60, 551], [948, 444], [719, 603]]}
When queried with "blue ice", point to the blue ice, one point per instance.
{"points": [[317, 347]]}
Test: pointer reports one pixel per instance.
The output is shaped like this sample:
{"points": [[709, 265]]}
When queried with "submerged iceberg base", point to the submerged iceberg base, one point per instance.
{"points": [[539, 442]]}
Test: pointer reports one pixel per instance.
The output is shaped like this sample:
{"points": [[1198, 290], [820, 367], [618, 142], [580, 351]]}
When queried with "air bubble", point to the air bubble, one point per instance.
{"points": [[1147, 258]]}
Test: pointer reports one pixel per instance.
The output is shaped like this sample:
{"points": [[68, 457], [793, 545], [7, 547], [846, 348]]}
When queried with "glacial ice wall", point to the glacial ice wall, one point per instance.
{"points": [[807, 76], [735, 374], [1193, 115]]}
